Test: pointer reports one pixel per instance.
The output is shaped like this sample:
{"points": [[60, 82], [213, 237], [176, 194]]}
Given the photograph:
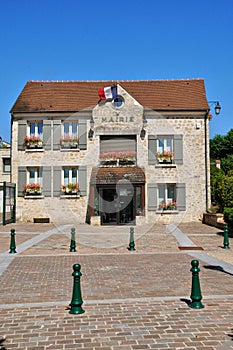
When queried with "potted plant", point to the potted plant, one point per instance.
{"points": [[33, 141], [165, 156], [74, 142], [70, 188], [69, 142], [170, 205], [32, 188]]}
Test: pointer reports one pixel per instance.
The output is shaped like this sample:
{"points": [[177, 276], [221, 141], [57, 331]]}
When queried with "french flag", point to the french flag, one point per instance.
{"points": [[108, 92]]}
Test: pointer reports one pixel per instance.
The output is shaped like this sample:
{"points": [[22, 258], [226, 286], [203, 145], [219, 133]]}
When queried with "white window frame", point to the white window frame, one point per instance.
{"points": [[70, 178], [165, 198], [72, 131], [37, 175], [165, 147], [5, 166], [36, 132]]}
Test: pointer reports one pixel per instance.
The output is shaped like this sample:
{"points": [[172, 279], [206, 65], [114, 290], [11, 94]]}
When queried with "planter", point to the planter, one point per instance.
{"points": [[33, 193], [165, 161]]}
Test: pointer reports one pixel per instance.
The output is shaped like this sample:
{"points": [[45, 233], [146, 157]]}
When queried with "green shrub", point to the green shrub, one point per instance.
{"points": [[228, 216]]}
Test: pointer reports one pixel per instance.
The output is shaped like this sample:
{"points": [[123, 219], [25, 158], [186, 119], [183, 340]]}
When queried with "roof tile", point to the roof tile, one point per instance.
{"points": [[186, 94]]}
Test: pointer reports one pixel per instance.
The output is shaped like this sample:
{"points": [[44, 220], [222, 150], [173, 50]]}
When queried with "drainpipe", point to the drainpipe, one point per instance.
{"points": [[206, 161]]}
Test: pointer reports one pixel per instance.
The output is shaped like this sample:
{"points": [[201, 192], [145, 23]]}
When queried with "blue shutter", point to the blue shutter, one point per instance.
{"points": [[152, 193]]}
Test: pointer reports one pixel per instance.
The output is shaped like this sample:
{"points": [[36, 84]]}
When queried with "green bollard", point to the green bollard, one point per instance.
{"points": [[12, 243], [73, 242], [196, 289], [76, 302], [131, 240], [226, 239]]}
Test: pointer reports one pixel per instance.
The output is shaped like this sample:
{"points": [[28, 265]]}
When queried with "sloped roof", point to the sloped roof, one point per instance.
{"points": [[103, 176], [40, 96]]}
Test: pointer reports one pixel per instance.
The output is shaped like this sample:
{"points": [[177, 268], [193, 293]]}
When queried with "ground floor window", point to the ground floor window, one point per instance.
{"points": [[70, 180], [166, 196], [34, 175], [33, 181], [139, 200], [6, 165]]}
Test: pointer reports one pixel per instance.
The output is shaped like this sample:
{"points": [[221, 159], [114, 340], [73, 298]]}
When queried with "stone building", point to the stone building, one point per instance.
{"points": [[5, 156], [111, 152]]}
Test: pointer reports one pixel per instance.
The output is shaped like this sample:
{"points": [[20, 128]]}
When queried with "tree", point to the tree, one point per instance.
{"points": [[221, 146]]}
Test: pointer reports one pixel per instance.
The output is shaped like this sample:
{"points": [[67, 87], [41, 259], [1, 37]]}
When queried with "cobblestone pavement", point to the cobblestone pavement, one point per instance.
{"points": [[132, 299]]}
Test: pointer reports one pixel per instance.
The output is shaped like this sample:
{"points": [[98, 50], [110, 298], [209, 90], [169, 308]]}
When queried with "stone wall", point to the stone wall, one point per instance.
{"points": [[127, 120], [216, 220]]}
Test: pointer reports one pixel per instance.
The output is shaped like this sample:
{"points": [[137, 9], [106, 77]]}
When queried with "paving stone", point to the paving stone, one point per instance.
{"points": [[132, 300]]}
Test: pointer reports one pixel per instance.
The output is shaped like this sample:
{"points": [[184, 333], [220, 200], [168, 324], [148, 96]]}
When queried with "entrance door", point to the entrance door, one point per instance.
{"points": [[117, 206]]}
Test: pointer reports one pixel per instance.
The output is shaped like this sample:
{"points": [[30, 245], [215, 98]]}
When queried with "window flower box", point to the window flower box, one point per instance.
{"points": [[69, 142], [164, 157], [33, 142], [118, 158], [71, 188], [167, 206], [32, 189]]}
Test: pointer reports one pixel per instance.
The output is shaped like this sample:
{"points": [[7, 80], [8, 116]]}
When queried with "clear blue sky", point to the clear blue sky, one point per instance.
{"points": [[124, 39]]}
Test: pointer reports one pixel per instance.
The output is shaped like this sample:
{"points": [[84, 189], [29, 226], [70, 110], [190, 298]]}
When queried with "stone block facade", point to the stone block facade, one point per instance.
{"points": [[129, 136]]}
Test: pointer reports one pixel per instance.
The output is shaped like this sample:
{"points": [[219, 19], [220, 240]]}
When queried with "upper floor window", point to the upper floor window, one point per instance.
{"points": [[118, 150], [69, 134], [165, 149], [34, 137], [70, 180], [118, 102], [36, 129], [6, 163]]}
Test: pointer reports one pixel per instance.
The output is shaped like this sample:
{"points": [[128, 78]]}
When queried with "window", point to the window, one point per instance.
{"points": [[139, 204], [33, 181], [165, 149], [118, 102], [70, 180], [70, 175], [69, 137], [36, 129], [6, 165], [34, 175], [118, 150], [166, 197], [34, 136]]}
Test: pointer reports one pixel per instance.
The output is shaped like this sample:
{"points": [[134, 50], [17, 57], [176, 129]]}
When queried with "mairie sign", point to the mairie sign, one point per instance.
{"points": [[117, 119]]}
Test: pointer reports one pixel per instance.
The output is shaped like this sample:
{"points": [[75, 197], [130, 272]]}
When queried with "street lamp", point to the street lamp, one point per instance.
{"points": [[217, 107]]}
